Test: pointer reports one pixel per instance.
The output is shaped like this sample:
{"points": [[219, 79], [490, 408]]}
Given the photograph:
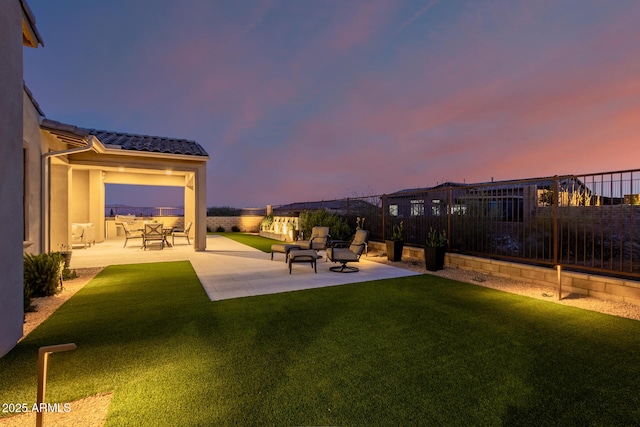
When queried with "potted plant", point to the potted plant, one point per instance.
{"points": [[395, 245], [65, 251], [435, 249]]}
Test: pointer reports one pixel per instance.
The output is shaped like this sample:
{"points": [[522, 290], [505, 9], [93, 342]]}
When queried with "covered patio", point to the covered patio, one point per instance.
{"points": [[228, 269], [84, 161]]}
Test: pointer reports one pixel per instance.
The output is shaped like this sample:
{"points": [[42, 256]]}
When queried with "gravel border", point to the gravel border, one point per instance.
{"points": [[546, 293]]}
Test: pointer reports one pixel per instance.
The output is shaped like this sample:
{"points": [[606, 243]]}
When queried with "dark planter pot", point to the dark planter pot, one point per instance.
{"points": [[434, 258], [394, 250], [67, 258]]}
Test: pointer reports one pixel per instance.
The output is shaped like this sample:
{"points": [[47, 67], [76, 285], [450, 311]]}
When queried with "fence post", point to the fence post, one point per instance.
{"points": [[384, 210], [559, 269], [556, 200], [449, 218]]}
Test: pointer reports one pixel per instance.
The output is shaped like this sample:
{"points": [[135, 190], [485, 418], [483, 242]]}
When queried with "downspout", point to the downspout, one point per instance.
{"points": [[44, 189]]}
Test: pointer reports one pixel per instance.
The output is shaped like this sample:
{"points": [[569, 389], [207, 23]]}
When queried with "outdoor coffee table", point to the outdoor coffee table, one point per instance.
{"points": [[303, 255], [282, 249]]}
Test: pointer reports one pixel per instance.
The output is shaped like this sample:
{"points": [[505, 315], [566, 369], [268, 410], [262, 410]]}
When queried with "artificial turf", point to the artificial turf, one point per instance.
{"points": [[255, 241], [419, 350]]}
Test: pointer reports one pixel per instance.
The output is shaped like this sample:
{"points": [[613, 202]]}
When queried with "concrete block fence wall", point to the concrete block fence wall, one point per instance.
{"points": [[580, 283], [246, 223]]}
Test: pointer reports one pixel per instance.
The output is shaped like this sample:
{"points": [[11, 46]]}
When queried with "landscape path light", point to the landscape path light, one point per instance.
{"points": [[43, 360]]}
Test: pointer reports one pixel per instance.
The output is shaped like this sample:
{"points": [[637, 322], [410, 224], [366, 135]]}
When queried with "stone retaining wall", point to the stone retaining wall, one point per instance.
{"points": [[580, 283]]}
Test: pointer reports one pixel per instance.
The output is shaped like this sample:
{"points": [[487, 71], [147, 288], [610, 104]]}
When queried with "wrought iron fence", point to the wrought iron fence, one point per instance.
{"points": [[582, 222]]}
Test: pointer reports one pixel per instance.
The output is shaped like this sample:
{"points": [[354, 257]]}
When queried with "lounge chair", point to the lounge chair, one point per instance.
{"points": [[319, 239], [181, 233], [350, 254], [130, 234]]}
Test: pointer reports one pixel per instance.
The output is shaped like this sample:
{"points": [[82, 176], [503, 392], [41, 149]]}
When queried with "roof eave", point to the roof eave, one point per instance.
{"points": [[110, 149], [30, 35]]}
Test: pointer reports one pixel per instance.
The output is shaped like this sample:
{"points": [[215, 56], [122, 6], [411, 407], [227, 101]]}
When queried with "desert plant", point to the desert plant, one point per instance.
{"points": [[398, 232], [42, 273], [436, 239], [266, 222]]}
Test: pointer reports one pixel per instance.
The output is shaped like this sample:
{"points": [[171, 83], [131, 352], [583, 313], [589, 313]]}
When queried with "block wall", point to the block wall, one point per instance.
{"points": [[580, 283]]}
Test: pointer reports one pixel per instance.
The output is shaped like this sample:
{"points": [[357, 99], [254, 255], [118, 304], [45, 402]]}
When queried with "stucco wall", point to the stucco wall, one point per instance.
{"points": [[11, 162], [32, 143]]}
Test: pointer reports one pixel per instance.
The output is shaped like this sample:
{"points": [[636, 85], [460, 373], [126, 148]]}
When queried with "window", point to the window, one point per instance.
{"points": [[393, 210], [435, 207], [417, 208]]}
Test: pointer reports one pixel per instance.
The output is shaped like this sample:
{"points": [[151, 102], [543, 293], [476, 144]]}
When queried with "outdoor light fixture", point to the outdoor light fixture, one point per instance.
{"points": [[43, 360]]}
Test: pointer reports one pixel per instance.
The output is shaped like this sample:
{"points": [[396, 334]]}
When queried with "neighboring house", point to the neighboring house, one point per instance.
{"points": [[17, 29], [339, 207], [54, 174], [508, 200]]}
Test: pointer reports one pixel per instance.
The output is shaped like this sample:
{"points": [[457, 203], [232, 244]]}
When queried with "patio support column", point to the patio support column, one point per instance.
{"points": [[195, 206]]}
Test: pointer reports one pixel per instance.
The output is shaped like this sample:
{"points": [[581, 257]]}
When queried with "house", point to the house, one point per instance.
{"points": [[506, 200], [17, 29], [54, 174]]}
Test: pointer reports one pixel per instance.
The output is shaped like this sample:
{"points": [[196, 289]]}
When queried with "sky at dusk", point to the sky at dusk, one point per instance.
{"points": [[306, 100]]}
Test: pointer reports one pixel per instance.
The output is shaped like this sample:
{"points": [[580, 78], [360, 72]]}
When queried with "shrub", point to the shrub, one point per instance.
{"points": [[338, 227], [27, 298], [68, 274], [220, 229], [42, 273], [223, 211], [266, 222], [235, 228]]}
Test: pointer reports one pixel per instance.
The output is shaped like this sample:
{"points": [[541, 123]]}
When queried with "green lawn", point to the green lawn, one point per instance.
{"points": [[420, 350], [258, 242]]}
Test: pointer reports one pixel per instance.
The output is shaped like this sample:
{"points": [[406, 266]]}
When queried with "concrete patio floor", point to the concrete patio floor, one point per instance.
{"points": [[228, 269]]}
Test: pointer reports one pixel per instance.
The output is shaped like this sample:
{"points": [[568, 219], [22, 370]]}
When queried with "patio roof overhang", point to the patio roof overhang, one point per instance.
{"points": [[120, 158]]}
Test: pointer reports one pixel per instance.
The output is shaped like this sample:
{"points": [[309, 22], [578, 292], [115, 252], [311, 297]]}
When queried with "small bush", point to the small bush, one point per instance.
{"points": [[220, 229], [235, 228], [42, 273], [68, 274], [27, 298]]}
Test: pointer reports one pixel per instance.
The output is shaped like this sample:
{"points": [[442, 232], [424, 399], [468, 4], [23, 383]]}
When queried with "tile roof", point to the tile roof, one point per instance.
{"points": [[125, 141], [154, 144]]}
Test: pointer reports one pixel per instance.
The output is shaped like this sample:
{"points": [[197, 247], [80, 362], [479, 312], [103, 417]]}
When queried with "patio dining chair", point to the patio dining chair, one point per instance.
{"points": [[350, 254], [130, 234], [181, 233], [153, 233]]}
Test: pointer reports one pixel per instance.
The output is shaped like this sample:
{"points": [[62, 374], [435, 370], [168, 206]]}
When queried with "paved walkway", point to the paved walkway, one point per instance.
{"points": [[228, 269]]}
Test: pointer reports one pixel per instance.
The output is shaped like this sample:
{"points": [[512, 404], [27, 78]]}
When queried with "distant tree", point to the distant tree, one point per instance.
{"points": [[223, 211]]}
